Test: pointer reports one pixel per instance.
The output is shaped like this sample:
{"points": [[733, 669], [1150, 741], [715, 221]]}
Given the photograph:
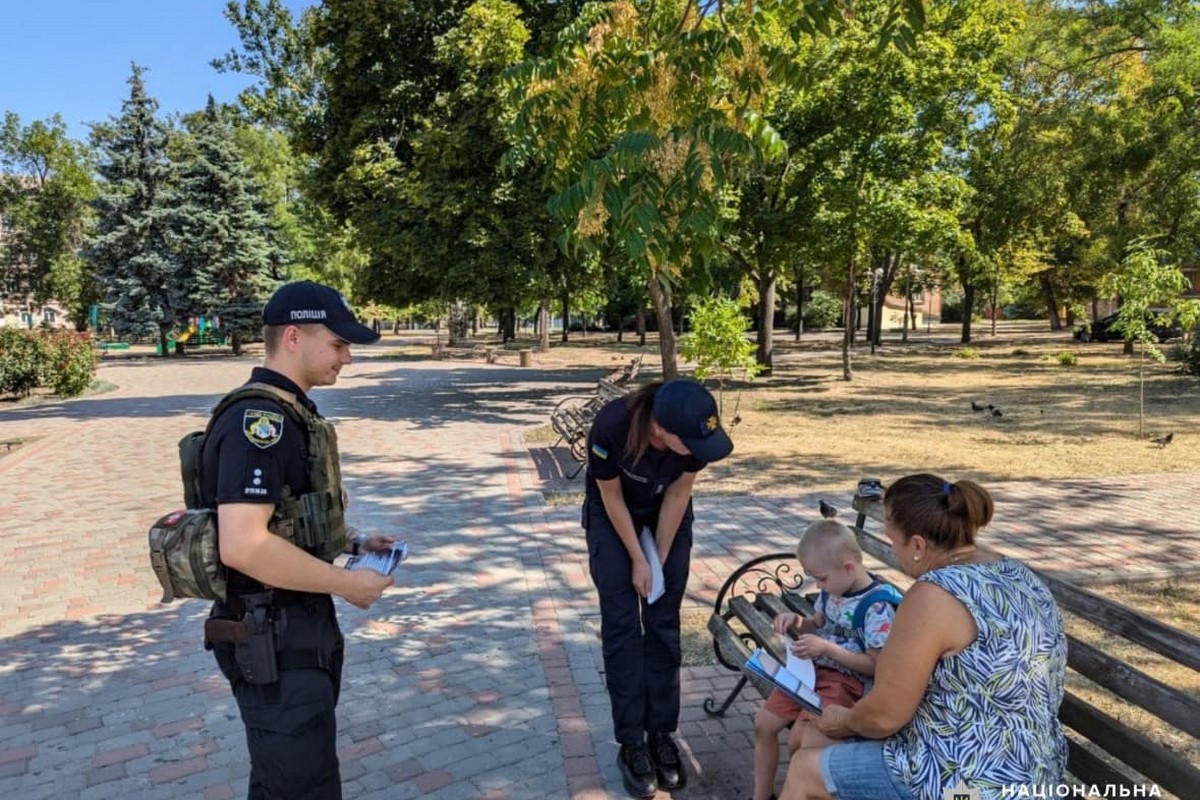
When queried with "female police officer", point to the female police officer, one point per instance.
{"points": [[644, 451]]}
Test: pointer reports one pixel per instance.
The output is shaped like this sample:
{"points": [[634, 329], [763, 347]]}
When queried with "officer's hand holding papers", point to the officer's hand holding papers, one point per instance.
{"points": [[383, 561]]}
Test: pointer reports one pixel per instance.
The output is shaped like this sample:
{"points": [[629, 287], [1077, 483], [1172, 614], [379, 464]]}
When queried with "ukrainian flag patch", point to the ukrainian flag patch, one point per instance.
{"points": [[599, 451]]}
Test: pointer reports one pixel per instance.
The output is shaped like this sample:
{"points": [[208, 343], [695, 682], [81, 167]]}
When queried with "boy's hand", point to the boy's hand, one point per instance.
{"points": [[810, 646], [785, 622]]}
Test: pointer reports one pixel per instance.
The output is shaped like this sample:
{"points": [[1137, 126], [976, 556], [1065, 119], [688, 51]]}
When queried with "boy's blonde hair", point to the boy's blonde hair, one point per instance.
{"points": [[829, 540]]}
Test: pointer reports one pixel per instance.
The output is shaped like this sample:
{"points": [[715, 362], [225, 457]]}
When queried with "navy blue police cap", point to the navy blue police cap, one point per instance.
{"points": [[311, 303], [685, 408]]}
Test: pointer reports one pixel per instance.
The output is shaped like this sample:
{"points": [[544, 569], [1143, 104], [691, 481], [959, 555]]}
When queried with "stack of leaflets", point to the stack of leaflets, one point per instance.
{"points": [[794, 686], [384, 562], [650, 551]]}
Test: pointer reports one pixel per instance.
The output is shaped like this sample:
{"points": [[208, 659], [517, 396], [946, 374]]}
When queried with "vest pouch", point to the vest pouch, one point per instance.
{"points": [[184, 555], [191, 451]]}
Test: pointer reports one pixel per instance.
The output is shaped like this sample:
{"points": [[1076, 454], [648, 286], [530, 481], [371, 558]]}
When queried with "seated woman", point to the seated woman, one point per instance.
{"points": [[968, 685]]}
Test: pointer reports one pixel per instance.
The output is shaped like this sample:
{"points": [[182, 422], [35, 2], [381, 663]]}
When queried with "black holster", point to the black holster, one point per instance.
{"points": [[256, 656]]}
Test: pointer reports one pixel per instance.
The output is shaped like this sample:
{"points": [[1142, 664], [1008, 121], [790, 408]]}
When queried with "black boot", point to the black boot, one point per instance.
{"points": [[666, 759], [637, 770]]}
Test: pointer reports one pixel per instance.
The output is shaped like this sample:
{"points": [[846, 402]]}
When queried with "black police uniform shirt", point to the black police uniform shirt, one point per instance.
{"points": [[255, 449], [642, 484]]}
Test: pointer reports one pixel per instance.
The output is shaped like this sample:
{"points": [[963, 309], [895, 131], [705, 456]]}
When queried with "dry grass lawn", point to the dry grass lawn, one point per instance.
{"points": [[908, 407]]}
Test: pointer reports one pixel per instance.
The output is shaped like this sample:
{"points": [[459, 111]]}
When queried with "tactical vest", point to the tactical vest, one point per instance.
{"points": [[314, 521], [183, 545]]}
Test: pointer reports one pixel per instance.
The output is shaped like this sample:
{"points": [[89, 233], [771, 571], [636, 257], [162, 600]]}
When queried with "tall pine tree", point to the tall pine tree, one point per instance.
{"points": [[130, 248], [225, 244]]}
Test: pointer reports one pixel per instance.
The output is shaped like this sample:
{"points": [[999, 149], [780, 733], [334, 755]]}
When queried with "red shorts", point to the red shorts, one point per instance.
{"points": [[836, 688]]}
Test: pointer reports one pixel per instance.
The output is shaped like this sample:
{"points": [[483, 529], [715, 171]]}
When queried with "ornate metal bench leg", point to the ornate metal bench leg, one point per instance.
{"points": [[710, 706]]}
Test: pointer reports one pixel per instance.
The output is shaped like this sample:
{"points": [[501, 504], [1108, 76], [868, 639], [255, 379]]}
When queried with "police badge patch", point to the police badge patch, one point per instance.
{"points": [[262, 428]]}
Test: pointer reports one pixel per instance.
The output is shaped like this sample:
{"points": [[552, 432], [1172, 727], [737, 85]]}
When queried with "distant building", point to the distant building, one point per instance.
{"points": [[926, 308], [18, 308]]}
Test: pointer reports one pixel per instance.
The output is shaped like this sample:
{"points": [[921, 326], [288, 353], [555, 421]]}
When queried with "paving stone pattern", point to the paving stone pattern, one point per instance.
{"points": [[480, 674]]}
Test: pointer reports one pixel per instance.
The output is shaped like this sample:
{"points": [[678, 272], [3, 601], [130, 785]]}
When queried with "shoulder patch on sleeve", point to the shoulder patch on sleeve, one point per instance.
{"points": [[599, 451], [262, 428]]}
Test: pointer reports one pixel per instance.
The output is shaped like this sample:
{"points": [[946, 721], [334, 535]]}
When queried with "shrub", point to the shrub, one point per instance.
{"points": [[21, 361], [823, 311], [1066, 358], [60, 360], [966, 352], [1188, 356], [72, 363]]}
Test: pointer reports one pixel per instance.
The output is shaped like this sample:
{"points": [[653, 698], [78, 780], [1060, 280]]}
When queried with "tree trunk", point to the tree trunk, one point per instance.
{"points": [[544, 326], [1051, 302], [235, 341], [508, 324], [799, 305], [660, 293], [565, 298], [848, 322], [907, 309], [995, 299], [766, 321], [641, 326], [968, 308]]}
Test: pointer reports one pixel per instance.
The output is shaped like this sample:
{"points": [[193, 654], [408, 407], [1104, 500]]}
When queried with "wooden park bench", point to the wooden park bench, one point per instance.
{"points": [[489, 353], [572, 417], [1103, 749]]}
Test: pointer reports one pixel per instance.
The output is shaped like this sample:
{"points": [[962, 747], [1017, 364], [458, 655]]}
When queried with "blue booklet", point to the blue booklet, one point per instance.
{"points": [[760, 663], [385, 562]]}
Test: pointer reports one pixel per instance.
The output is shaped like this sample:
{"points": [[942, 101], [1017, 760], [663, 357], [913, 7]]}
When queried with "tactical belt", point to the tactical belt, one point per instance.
{"points": [[234, 631]]}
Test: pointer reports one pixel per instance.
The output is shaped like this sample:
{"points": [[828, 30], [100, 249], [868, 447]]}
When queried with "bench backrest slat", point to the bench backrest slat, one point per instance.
{"points": [[759, 625], [1169, 770], [1178, 645], [1093, 770], [1176, 707]]}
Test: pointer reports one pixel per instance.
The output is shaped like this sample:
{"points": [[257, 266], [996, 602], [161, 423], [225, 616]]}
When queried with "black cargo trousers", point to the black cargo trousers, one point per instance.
{"points": [[640, 641], [291, 727]]}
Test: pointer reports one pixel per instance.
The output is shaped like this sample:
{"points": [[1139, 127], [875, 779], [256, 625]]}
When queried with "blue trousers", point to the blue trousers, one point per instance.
{"points": [[641, 646]]}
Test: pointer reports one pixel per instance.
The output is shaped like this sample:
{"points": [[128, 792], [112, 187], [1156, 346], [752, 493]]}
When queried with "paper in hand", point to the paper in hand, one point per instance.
{"points": [[384, 562], [650, 551], [802, 668]]}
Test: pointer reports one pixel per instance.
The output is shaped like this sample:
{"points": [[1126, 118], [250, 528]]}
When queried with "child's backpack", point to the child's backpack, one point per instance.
{"points": [[884, 592]]}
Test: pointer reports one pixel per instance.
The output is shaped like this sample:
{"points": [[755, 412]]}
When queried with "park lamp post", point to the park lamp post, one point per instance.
{"points": [[876, 279]]}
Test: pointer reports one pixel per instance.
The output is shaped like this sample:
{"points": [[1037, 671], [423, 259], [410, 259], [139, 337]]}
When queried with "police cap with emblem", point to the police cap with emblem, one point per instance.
{"points": [[685, 408], [311, 303]]}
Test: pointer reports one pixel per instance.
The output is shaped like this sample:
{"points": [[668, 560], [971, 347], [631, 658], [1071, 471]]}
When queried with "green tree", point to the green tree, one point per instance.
{"points": [[46, 187], [130, 248], [1146, 280], [224, 244], [718, 343]]}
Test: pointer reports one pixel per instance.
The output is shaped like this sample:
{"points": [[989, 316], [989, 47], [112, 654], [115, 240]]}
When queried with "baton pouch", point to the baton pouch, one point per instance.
{"points": [[256, 656]]}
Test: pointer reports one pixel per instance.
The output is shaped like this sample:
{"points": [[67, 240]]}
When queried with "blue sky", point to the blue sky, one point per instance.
{"points": [[73, 56]]}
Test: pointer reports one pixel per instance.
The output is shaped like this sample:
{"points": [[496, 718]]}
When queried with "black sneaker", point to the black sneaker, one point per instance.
{"points": [[637, 770], [666, 759]]}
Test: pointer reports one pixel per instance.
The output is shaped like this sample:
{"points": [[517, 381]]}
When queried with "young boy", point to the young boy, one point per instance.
{"points": [[843, 652]]}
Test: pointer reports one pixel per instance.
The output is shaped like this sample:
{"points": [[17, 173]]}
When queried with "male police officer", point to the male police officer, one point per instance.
{"points": [[270, 467]]}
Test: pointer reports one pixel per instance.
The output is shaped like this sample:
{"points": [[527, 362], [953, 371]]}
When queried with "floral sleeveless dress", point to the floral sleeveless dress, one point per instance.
{"points": [[989, 717]]}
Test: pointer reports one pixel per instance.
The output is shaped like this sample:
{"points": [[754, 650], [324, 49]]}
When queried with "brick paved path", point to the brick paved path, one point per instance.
{"points": [[479, 676]]}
